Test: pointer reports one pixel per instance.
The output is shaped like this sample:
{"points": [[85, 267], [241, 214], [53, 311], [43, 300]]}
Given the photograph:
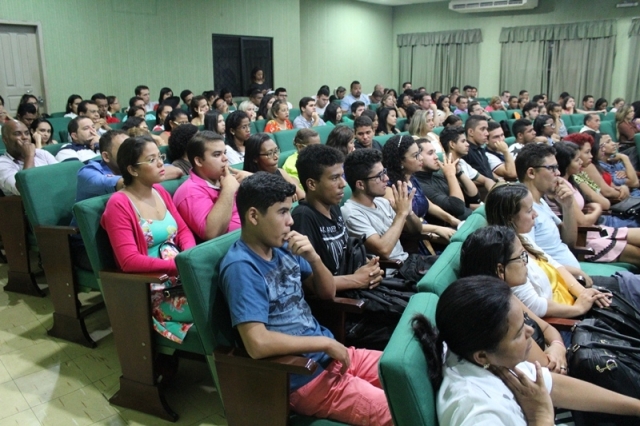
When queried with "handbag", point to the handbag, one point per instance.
{"points": [[622, 316], [168, 250], [603, 356], [627, 208]]}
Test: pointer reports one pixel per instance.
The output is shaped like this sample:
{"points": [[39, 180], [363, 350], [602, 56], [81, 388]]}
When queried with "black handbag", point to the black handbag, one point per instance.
{"points": [[627, 208], [603, 356], [621, 316]]}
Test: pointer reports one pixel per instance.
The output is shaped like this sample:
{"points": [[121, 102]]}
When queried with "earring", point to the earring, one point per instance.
{"points": [[486, 366]]}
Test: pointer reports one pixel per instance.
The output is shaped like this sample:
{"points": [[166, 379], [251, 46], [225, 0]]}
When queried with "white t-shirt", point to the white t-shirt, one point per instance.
{"points": [[234, 156], [468, 170], [473, 396], [494, 161], [515, 149]]}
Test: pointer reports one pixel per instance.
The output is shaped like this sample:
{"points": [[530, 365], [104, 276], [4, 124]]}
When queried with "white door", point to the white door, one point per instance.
{"points": [[20, 67]]}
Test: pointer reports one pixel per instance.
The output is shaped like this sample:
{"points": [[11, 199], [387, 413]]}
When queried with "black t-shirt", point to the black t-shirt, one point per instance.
{"points": [[477, 159], [328, 236]]}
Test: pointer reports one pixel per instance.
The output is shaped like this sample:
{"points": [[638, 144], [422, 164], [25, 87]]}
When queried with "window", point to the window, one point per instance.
{"points": [[235, 56]]}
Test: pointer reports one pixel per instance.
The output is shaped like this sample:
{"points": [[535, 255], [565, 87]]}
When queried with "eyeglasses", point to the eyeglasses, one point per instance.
{"points": [[552, 168], [180, 123], [153, 160], [524, 256], [553, 126], [378, 176], [271, 154]]}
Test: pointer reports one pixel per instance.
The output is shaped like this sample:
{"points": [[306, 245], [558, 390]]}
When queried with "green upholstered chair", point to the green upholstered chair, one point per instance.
{"points": [[284, 139], [609, 116], [464, 116], [510, 140], [253, 128], [59, 124], [128, 301], [382, 139], [374, 107], [608, 128], [49, 194], [498, 115], [323, 131], [53, 149], [294, 113], [64, 136], [510, 124], [438, 130], [253, 391], [636, 140], [260, 125], [400, 123], [511, 112], [577, 119], [283, 157], [57, 114], [574, 129], [120, 115], [403, 369]]}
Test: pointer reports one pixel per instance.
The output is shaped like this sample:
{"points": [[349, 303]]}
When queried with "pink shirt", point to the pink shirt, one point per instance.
{"points": [[194, 199]]}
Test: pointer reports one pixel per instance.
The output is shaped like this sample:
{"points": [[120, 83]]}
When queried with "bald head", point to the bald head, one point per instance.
{"points": [[15, 133]]}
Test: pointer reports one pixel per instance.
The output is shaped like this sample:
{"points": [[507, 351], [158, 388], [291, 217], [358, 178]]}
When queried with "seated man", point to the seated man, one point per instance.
{"points": [[454, 142], [84, 141], [318, 216], [281, 94], [90, 109], [363, 129], [262, 279], [500, 159], [591, 123], [21, 154], [476, 129], [308, 116], [102, 176], [444, 183], [207, 200], [461, 105], [26, 113], [368, 213], [524, 133], [355, 96], [357, 108], [531, 110]]}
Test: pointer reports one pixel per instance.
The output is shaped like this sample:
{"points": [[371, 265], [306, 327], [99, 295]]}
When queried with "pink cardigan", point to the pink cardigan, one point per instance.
{"points": [[121, 222]]}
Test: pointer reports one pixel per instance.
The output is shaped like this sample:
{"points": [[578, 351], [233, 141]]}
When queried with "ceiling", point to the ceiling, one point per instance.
{"points": [[399, 2]]}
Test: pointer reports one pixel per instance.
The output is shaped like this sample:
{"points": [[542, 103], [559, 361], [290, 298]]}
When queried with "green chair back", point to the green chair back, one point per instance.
{"points": [[284, 139], [323, 131], [53, 148], [294, 113], [403, 369], [577, 119], [64, 137], [120, 115], [608, 128], [260, 125], [283, 157], [400, 123], [438, 130], [2, 145], [510, 124], [382, 139], [574, 129], [59, 124], [498, 115], [57, 114], [374, 107], [610, 116], [510, 112], [464, 116], [510, 140]]}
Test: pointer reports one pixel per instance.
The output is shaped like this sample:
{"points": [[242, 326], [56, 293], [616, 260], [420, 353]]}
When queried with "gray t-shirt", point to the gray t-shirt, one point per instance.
{"points": [[362, 220]]}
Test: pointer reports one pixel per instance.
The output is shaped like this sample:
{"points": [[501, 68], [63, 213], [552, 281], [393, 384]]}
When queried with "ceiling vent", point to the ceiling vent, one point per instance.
{"points": [[478, 6]]}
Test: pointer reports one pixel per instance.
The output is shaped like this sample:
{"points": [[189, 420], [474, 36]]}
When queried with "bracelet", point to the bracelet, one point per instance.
{"points": [[459, 174], [561, 343]]}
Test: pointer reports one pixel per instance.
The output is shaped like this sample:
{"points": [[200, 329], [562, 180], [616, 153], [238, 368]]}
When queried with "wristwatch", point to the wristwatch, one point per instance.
{"points": [[459, 174]]}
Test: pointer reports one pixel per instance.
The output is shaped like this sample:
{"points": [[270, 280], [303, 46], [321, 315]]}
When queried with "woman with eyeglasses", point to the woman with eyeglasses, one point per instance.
{"points": [[176, 118], [545, 128], [550, 289], [147, 233], [401, 157], [479, 363], [262, 155]]}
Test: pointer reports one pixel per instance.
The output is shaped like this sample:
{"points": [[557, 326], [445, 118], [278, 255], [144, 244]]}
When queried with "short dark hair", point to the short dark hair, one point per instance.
{"points": [[196, 144], [132, 121], [262, 190], [100, 96], [255, 92], [450, 134], [370, 113], [453, 89], [180, 137], [133, 100], [529, 106], [359, 163], [493, 125], [537, 98], [353, 83], [305, 101], [523, 91], [473, 121], [106, 140], [405, 83], [82, 107], [586, 98], [314, 159], [362, 121], [139, 89], [532, 155], [519, 126], [129, 153], [323, 91], [354, 106], [512, 97], [185, 93], [73, 125], [589, 117], [280, 90], [28, 108]]}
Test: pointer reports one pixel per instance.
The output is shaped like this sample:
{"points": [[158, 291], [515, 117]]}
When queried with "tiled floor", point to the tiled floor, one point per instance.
{"points": [[48, 381]]}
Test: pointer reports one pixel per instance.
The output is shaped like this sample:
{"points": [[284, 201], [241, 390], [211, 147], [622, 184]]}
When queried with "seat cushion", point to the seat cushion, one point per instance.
{"points": [[606, 269]]}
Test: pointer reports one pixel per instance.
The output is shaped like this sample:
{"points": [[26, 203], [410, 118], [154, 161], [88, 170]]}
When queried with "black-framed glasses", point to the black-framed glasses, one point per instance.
{"points": [[552, 168], [524, 256], [271, 154], [378, 176], [153, 160]]}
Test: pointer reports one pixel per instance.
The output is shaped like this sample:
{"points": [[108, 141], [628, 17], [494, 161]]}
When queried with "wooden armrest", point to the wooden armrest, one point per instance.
{"points": [[342, 304], [563, 324], [286, 363], [114, 276]]}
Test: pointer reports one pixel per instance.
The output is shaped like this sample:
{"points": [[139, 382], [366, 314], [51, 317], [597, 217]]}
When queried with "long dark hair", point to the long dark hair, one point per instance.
{"points": [[393, 154], [383, 113], [472, 315], [331, 113], [263, 111], [211, 120], [233, 121], [252, 151], [484, 249], [163, 92]]}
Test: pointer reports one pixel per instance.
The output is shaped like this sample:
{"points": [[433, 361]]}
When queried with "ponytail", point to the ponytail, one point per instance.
{"points": [[432, 347]]}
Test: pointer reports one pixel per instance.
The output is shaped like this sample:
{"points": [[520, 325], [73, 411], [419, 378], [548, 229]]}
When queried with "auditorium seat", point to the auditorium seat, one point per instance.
{"points": [[498, 116]]}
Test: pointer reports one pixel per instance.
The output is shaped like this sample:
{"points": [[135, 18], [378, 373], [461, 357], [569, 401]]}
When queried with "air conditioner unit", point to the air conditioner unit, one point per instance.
{"points": [[477, 6]]}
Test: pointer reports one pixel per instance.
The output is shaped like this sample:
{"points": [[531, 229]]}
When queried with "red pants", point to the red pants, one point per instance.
{"points": [[355, 397]]}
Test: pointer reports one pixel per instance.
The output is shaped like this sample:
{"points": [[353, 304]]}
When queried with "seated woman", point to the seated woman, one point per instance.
{"points": [[333, 114], [550, 290], [165, 93], [280, 113], [198, 107], [137, 112], [71, 109], [162, 111], [338, 94], [555, 111], [42, 132], [137, 126], [627, 130], [615, 167], [262, 155], [178, 142], [591, 180], [421, 126], [303, 139], [483, 377], [147, 232], [403, 102], [620, 243], [545, 128], [495, 104], [265, 105], [343, 139], [214, 121], [401, 159], [496, 251], [113, 107], [568, 105], [443, 104], [601, 105], [237, 131], [387, 119], [452, 121], [388, 101], [249, 108], [176, 117]]}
